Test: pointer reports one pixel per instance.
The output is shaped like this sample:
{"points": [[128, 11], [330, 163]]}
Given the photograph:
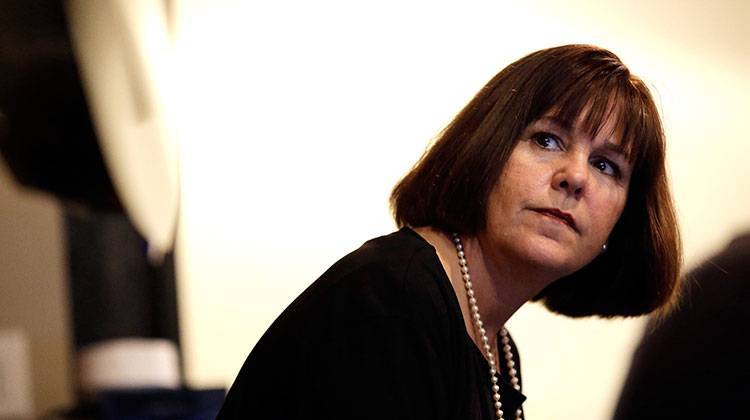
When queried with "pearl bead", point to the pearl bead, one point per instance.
{"points": [[499, 413], [461, 254], [466, 277], [496, 389], [472, 301], [496, 397], [464, 269]]}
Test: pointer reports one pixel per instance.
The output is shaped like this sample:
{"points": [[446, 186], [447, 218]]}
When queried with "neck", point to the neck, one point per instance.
{"points": [[500, 290]]}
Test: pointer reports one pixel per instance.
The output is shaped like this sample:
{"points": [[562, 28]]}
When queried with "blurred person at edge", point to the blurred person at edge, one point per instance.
{"points": [[692, 363], [550, 186]]}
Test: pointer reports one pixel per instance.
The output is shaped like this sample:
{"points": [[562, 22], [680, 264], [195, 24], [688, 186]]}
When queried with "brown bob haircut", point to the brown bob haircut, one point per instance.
{"points": [[449, 186]]}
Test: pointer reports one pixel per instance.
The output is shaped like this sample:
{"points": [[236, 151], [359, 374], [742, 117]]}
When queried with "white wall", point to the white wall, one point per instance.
{"points": [[298, 118]]}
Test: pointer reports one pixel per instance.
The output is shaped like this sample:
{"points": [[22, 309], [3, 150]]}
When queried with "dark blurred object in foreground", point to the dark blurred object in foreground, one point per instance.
{"points": [[46, 134], [117, 289], [694, 363]]}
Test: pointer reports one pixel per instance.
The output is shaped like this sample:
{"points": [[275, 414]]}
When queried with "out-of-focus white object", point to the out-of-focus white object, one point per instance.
{"points": [[128, 363], [123, 48], [15, 375]]}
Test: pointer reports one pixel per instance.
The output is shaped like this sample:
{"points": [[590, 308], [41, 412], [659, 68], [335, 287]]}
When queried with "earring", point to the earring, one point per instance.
{"points": [[604, 247]]}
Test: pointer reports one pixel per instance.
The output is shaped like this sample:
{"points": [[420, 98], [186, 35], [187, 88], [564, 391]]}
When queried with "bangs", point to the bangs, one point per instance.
{"points": [[593, 98]]}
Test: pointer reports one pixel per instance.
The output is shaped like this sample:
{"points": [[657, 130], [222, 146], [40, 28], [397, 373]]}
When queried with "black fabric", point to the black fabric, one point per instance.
{"points": [[379, 335], [693, 364]]}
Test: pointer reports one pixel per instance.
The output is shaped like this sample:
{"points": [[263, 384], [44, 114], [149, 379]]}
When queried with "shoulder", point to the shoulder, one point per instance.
{"points": [[387, 276], [395, 255], [388, 293]]}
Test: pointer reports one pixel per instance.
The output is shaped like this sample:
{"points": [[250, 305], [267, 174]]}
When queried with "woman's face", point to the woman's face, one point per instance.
{"points": [[559, 196]]}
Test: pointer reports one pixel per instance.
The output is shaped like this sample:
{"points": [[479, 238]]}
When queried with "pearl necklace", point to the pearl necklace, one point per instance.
{"points": [[483, 336]]}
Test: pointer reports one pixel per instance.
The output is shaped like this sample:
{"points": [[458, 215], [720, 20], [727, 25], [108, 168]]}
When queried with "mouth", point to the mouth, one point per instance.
{"points": [[560, 215]]}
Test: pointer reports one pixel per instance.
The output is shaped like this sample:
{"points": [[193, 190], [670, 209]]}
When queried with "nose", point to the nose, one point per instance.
{"points": [[572, 178]]}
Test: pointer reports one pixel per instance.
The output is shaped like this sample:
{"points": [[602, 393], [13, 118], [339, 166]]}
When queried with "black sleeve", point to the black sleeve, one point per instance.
{"points": [[357, 345]]}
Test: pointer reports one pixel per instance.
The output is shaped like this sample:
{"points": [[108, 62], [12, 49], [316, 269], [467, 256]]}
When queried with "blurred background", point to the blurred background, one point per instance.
{"points": [[236, 149]]}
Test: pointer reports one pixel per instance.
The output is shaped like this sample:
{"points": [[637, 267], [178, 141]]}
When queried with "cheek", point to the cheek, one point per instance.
{"points": [[522, 178], [509, 195], [608, 211]]}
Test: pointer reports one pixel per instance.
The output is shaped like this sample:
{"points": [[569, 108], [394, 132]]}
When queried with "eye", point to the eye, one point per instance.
{"points": [[547, 141], [606, 166]]}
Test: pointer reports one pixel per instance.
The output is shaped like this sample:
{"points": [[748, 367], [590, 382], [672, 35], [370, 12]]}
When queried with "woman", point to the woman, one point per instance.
{"points": [[549, 185]]}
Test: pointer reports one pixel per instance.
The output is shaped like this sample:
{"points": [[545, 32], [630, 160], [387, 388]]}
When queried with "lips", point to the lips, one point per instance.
{"points": [[566, 218]]}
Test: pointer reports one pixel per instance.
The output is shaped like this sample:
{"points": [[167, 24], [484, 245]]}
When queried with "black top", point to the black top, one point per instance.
{"points": [[380, 335]]}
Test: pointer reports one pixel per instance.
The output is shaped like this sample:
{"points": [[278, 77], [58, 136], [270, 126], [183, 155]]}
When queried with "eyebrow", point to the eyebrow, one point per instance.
{"points": [[619, 149], [616, 148], [558, 122]]}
